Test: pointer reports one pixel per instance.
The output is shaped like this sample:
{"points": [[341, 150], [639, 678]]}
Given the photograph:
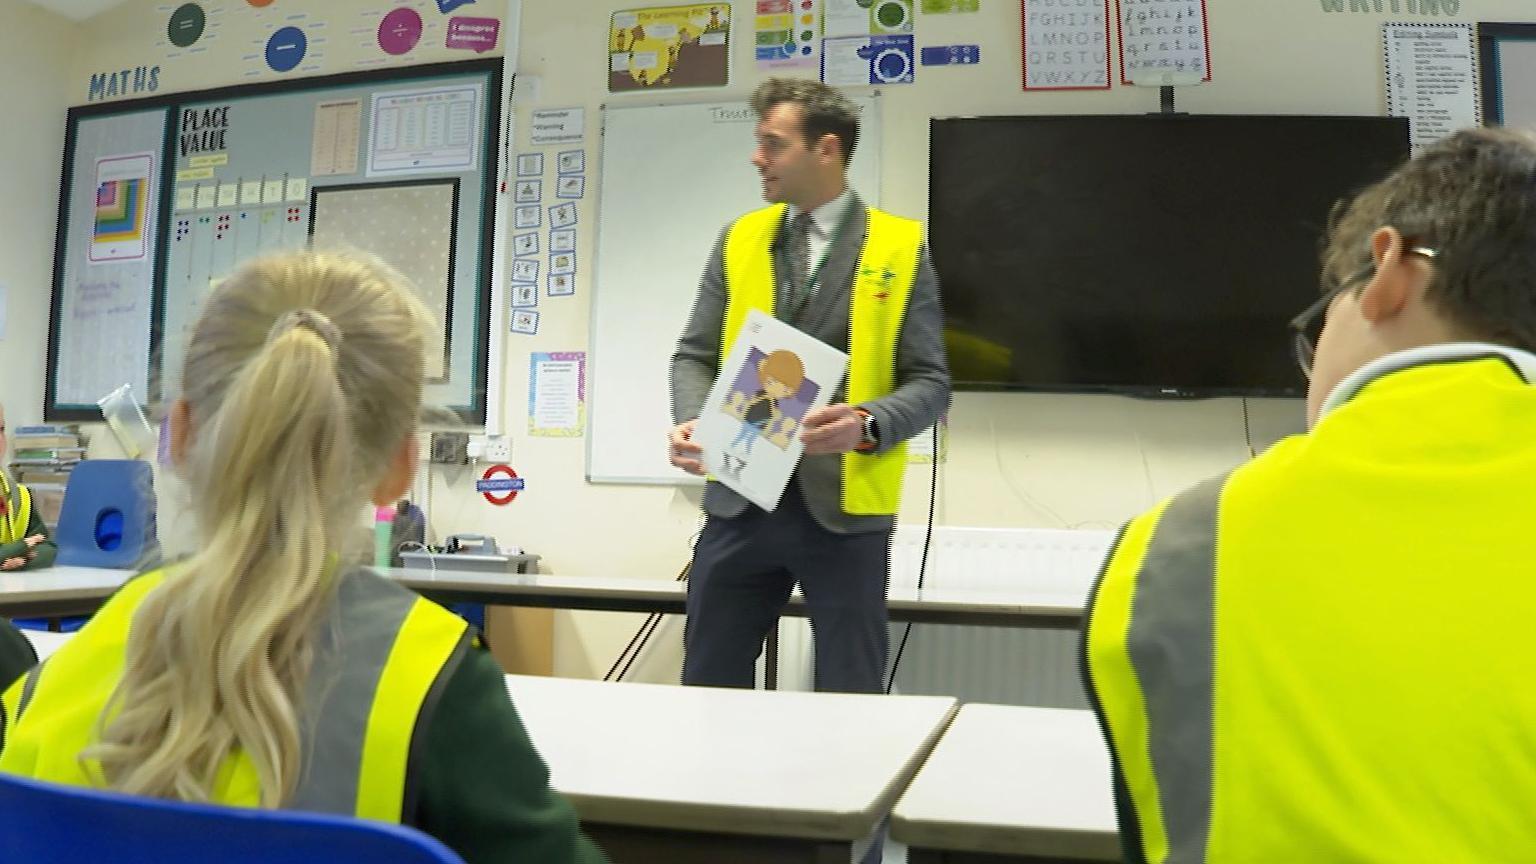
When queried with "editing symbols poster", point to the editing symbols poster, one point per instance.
{"points": [[1431, 78], [749, 427]]}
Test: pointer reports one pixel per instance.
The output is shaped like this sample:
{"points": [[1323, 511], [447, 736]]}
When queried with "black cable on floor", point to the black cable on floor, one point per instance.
{"points": [[642, 636], [922, 564]]}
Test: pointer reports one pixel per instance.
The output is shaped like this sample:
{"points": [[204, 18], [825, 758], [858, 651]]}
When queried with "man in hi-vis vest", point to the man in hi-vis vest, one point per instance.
{"points": [[859, 280], [1326, 654]]}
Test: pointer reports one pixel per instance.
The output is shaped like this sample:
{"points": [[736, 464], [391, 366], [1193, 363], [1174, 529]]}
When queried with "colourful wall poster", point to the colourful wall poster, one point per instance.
{"points": [[186, 25], [472, 34], [120, 230], [950, 7], [669, 46], [787, 34], [286, 48], [866, 17], [854, 61], [399, 31], [557, 393]]}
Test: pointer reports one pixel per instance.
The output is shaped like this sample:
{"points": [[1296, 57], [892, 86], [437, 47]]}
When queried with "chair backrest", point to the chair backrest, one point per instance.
{"points": [[46, 822], [108, 517]]}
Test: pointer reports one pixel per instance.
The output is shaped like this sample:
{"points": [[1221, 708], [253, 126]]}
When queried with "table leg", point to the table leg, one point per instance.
{"points": [[771, 658]]}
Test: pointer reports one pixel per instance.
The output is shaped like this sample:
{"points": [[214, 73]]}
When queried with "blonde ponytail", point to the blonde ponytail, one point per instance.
{"points": [[302, 376]]}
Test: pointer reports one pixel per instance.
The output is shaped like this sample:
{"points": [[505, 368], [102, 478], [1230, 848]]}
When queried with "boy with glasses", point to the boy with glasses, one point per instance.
{"points": [[1325, 654]]}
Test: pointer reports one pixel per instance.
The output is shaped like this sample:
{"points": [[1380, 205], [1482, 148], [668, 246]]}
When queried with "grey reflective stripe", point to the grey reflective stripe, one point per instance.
{"points": [[1172, 648], [27, 690], [14, 511], [351, 646]]}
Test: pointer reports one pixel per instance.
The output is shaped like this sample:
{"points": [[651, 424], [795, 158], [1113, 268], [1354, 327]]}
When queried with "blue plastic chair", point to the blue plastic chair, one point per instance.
{"points": [[42, 822], [72, 624], [108, 516]]}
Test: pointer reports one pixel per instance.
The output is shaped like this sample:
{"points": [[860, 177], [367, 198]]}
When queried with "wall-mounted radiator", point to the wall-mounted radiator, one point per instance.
{"points": [[1009, 666]]}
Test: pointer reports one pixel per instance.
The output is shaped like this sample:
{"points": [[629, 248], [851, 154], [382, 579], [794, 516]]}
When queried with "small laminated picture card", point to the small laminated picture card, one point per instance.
{"points": [[530, 164], [525, 270], [525, 321], [562, 215]]}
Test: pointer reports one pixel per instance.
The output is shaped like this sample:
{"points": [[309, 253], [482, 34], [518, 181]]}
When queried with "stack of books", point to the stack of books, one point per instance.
{"points": [[41, 458]]}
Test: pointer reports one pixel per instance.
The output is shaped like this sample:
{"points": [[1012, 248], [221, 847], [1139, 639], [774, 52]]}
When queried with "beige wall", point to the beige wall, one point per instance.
{"points": [[35, 51], [1015, 460]]}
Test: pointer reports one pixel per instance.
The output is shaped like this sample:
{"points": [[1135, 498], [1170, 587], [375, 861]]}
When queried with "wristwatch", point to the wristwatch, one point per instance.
{"points": [[871, 437]]}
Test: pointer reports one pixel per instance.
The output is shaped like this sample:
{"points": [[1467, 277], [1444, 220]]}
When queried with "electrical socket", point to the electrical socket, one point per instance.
{"points": [[498, 448]]}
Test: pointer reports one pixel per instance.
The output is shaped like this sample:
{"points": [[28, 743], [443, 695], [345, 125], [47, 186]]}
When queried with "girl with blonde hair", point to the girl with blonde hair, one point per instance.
{"points": [[265, 670]]}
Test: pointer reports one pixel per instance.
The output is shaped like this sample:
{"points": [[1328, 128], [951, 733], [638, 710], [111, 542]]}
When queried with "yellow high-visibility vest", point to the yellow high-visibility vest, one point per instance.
{"points": [[18, 510], [383, 648], [882, 286], [1326, 655]]}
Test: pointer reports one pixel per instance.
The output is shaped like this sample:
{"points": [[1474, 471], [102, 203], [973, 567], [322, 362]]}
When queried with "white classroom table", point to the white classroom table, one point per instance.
{"points": [[997, 607], [54, 592], [699, 774], [673, 774], [1020, 606], [1009, 783], [67, 590], [46, 643]]}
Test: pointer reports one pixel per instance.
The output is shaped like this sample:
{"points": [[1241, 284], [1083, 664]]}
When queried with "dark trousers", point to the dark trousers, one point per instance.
{"points": [[743, 571]]}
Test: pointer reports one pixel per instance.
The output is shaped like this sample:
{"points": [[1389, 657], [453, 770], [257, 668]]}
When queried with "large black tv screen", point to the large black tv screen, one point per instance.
{"points": [[1153, 255]]}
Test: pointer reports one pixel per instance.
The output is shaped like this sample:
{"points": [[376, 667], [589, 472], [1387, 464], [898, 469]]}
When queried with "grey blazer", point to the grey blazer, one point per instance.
{"points": [[922, 372]]}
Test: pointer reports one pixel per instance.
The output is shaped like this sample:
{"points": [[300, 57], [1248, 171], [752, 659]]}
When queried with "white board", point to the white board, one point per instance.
{"points": [[672, 177]]}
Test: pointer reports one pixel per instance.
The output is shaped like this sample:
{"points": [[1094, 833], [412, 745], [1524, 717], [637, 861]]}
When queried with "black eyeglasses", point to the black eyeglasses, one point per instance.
{"points": [[1309, 324]]}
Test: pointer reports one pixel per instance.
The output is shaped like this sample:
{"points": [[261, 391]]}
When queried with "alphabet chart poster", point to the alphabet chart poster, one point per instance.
{"points": [[1163, 37], [1066, 44]]}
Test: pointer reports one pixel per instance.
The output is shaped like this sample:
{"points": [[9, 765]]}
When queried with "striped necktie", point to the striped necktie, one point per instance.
{"points": [[797, 248]]}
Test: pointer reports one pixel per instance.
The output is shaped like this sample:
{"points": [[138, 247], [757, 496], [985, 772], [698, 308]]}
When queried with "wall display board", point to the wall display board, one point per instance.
{"points": [[162, 198]]}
